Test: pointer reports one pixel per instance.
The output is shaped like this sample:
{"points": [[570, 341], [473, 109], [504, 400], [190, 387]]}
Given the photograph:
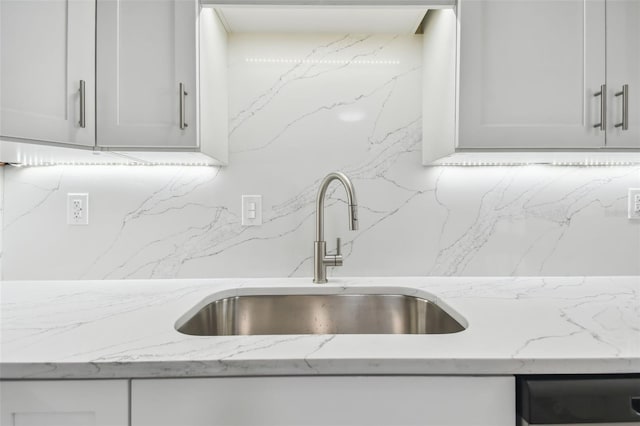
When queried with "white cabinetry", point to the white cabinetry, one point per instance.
{"points": [[47, 49], [150, 70], [64, 403], [145, 52], [353, 400], [531, 71], [623, 68], [528, 73]]}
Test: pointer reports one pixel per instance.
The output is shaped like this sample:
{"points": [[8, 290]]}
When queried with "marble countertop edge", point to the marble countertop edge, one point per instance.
{"points": [[126, 329]]}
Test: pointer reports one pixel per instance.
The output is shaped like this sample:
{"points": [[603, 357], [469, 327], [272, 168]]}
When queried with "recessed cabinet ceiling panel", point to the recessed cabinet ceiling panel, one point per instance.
{"points": [[311, 19]]}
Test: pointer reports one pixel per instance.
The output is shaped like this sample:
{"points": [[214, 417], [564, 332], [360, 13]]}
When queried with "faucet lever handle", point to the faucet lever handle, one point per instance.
{"points": [[338, 247]]}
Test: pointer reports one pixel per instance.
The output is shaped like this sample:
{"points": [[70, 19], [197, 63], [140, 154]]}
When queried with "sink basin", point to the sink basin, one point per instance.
{"points": [[320, 314]]}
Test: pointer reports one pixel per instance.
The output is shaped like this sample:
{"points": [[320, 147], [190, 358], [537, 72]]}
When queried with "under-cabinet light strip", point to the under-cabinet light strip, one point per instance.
{"points": [[586, 163], [481, 164], [131, 163], [594, 163], [555, 163], [318, 61]]}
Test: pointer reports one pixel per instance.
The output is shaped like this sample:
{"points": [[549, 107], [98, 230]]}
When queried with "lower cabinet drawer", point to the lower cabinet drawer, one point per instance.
{"points": [[64, 403], [332, 400]]}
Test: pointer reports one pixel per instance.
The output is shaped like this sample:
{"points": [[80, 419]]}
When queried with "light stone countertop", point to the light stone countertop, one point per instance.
{"points": [[122, 329]]}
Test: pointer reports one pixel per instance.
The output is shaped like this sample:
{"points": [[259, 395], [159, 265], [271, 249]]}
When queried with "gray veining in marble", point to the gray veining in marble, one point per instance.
{"points": [[106, 329], [304, 107]]}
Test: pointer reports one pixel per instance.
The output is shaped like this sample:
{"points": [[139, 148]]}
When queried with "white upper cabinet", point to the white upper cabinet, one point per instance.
{"points": [[148, 71], [47, 54], [546, 74], [529, 71], [623, 69], [146, 52]]}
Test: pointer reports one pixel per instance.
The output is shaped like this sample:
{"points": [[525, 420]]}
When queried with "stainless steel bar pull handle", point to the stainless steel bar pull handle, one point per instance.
{"points": [[83, 105], [625, 107], [603, 107], [183, 93]]}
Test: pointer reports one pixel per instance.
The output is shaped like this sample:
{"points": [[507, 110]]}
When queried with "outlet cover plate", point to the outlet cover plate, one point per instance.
{"points": [[77, 209], [252, 210], [634, 203]]}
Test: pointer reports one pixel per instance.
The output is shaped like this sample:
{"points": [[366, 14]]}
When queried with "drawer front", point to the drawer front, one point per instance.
{"points": [[350, 400]]}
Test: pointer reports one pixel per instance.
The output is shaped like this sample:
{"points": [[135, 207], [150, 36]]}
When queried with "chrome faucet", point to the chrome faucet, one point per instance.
{"points": [[320, 258]]}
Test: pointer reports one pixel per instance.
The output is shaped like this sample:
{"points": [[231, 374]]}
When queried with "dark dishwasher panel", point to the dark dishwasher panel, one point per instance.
{"points": [[575, 400]]}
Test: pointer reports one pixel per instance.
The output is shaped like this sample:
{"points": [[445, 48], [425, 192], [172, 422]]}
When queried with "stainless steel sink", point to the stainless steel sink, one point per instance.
{"points": [[320, 314]]}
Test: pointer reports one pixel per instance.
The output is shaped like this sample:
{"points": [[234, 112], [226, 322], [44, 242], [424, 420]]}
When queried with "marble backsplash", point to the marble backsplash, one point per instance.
{"points": [[300, 108]]}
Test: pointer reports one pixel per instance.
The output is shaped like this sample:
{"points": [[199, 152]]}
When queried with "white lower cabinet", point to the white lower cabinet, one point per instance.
{"points": [[333, 400], [64, 403], [255, 401]]}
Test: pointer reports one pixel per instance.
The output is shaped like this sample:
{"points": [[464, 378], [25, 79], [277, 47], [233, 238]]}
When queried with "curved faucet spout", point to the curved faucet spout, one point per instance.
{"points": [[351, 201], [321, 259]]}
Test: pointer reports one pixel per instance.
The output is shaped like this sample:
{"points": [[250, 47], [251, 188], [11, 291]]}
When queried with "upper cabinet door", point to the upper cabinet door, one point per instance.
{"points": [[623, 69], [529, 71], [146, 54], [47, 55]]}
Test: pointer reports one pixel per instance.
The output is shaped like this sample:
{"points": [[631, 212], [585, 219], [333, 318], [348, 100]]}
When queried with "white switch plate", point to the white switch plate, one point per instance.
{"points": [[251, 210], [77, 209], [634, 203]]}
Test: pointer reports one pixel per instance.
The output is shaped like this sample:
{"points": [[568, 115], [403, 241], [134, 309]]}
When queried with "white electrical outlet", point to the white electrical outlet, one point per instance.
{"points": [[251, 210], [634, 203], [78, 209]]}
